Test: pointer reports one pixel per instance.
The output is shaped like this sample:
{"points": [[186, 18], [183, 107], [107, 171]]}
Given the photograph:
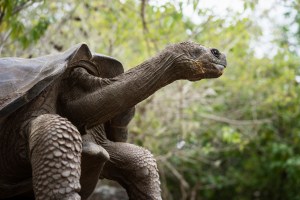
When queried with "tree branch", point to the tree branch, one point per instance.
{"points": [[233, 121], [145, 27], [183, 183], [143, 6]]}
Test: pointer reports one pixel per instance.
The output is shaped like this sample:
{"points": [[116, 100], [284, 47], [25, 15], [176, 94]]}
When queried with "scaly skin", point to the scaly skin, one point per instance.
{"points": [[93, 159], [55, 153], [132, 166]]}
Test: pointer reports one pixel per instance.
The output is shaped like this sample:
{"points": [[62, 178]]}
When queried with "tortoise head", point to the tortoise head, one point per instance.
{"points": [[196, 62]]}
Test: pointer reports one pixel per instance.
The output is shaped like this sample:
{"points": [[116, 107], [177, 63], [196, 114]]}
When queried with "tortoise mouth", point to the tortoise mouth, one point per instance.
{"points": [[219, 67]]}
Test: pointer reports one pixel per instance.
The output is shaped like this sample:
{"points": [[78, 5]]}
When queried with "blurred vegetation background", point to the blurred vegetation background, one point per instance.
{"points": [[236, 137]]}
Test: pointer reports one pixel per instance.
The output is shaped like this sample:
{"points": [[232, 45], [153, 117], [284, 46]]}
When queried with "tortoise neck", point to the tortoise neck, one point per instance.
{"points": [[112, 96]]}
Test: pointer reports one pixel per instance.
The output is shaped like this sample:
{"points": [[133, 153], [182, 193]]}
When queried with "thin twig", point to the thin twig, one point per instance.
{"points": [[235, 122], [145, 27], [143, 7], [183, 183]]}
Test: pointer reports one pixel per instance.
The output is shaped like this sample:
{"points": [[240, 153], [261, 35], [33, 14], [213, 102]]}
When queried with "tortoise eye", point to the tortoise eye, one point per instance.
{"points": [[216, 53]]}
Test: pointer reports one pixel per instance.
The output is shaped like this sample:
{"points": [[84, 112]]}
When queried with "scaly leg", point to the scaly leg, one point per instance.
{"points": [[135, 169], [93, 159], [55, 152], [132, 166]]}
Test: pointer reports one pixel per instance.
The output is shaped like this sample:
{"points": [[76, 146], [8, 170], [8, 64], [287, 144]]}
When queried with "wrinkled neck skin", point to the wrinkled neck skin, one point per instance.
{"points": [[109, 97]]}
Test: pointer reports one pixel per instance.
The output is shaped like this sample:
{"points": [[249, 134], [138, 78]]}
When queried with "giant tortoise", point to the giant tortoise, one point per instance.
{"points": [[63, 119]]}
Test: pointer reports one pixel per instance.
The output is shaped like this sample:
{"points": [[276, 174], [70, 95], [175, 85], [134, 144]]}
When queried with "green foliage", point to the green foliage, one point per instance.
{"points": [[291, 29], [236, 137], [19, 30]]}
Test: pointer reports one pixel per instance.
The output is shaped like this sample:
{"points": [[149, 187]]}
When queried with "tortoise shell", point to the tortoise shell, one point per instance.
{"points": [[23, 79]]}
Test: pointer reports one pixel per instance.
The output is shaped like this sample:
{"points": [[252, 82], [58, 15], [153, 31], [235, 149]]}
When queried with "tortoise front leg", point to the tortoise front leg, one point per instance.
{"points": [[93, 159], [55, 153], [134, 168]]}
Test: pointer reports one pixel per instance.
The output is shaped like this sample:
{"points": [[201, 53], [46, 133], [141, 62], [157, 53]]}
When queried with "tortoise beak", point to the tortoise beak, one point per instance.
{"points": [[220, 67]]}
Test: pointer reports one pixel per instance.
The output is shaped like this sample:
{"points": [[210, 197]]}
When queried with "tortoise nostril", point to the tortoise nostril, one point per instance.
{"points": [[216, 53]]}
